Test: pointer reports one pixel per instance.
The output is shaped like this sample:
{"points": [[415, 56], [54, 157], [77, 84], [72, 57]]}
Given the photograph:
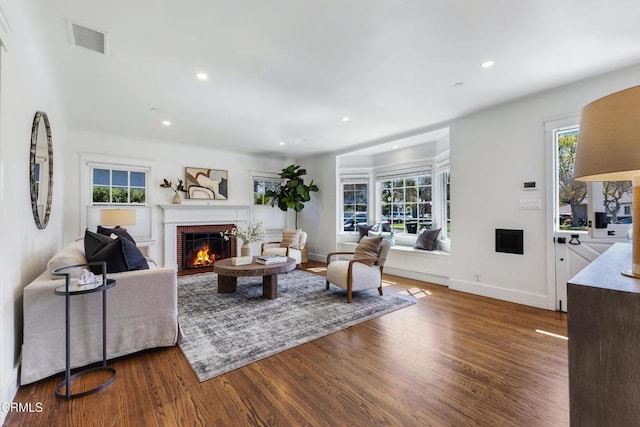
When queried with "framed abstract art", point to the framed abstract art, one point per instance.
{"points": [[208, 184]]}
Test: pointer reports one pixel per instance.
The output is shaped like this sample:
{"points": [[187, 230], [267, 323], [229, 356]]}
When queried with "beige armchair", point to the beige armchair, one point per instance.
{"points": [[293, 250], [357, 274]]}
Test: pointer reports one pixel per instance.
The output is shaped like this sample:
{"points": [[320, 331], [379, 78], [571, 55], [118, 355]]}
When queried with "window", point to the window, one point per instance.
{"points": [[572, 195], [118, 185], [611, 197], [355, 202], [445, 178], [260, 186], [406, 202]]}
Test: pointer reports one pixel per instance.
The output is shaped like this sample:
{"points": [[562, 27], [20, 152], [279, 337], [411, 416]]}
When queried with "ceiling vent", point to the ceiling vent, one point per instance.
{"points": [[83, 36]]}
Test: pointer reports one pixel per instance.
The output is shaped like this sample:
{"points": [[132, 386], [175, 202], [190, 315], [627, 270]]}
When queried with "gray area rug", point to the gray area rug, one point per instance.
{"points": [[223, 332]]}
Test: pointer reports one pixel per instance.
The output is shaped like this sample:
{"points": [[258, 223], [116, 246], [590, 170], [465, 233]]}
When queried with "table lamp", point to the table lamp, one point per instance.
{"points": [[609, 150], [117, 217]]}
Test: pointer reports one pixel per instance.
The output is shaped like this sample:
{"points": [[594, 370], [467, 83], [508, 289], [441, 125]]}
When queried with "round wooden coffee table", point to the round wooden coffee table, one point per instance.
{"points": [[228, 275]]}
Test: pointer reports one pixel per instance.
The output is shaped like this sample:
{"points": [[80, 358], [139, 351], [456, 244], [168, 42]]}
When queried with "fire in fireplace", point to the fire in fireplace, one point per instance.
{"points": [[201, 246]]}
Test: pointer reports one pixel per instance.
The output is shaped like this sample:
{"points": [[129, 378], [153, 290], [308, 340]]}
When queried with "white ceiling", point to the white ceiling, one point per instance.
{"points": [[289, 70]]}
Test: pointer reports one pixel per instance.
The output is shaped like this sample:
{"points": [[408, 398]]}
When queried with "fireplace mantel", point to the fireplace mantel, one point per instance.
{"points": [[196, 213]]}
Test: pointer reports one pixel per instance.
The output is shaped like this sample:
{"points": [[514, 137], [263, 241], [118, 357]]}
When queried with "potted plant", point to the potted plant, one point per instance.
{"points": [[293, 192], [178, 187], [249, 232]]}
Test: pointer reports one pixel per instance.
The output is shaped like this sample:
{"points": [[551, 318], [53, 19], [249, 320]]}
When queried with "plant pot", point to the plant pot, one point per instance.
{"points": [[176, 199], [246, 250]]}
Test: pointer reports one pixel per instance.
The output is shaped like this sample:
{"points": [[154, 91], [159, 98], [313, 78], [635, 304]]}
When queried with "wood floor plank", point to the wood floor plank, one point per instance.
{"points": [[452, 359]]}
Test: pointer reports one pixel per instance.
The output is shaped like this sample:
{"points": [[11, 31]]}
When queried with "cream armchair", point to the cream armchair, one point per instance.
{"points": [[356, 274], [293, 250]]}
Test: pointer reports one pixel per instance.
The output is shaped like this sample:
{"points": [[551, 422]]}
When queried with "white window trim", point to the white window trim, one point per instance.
{"points": [[415, 168], [112, 167], [90, 160], [366, 174], [442, 221], [262, 176]]}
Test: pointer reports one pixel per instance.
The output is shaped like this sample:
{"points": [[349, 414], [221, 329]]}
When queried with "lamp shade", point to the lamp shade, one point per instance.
{"points": [[609, 139], [120, 217], [609, 150]]}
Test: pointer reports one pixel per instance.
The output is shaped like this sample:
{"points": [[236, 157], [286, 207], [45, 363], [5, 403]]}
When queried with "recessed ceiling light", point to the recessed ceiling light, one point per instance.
{"points": [[488, 64], [166, 122], [281, 142], [345, 119], [394, 147], [202, 76]]}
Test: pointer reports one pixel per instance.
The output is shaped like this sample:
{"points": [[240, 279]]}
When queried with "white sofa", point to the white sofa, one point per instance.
{"points": [[142, 313]]}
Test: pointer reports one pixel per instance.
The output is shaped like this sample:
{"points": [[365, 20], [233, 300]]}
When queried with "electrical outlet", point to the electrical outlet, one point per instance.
{"points": [[477, 276]]}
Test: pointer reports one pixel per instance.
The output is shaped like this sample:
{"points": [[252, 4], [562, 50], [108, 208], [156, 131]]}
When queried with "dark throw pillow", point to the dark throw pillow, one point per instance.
{"points": [[364, 231], [120, 254], [369, 247], [120, 232], [427, 240]]}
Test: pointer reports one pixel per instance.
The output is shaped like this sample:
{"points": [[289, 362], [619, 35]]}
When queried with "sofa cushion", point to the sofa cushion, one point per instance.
{"points": [[291, 238], [368, 248], [427, 240], [363, 230], [72, 254], [118, 231], [120, 254]]}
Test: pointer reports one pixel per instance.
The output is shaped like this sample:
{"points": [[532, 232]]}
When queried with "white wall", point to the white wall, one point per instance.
{"points": [[492, 152], [320, 215], [166, 161], [26, 87]]}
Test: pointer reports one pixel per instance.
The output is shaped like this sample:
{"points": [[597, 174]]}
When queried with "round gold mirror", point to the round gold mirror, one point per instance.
{"points": [[41, 169]]}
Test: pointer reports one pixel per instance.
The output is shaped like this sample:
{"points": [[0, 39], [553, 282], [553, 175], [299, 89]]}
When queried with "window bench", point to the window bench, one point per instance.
{"points": [[418, 264]]}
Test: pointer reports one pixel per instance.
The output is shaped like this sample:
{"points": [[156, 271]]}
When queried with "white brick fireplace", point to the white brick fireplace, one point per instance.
{"points": [[196, 213]]}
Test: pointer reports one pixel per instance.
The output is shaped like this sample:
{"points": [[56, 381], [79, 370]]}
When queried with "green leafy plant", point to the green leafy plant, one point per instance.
{"points": [[293, 192]]}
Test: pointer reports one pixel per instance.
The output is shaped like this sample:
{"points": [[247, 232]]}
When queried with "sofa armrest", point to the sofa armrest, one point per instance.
{"points": [[142, 312], [145, 250]]}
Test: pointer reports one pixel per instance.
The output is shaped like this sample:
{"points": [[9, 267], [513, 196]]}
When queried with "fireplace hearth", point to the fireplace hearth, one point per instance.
{"points": [[199, 247]]}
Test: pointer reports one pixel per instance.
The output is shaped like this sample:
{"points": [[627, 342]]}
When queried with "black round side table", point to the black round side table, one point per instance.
{"points": [[68, 290]]}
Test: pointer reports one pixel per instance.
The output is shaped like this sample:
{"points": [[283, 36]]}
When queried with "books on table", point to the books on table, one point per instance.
{"points": [[271, 259]]}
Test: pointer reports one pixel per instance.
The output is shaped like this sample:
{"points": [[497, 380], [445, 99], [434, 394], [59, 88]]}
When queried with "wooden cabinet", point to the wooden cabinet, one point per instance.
{"points": [[604, 342]]}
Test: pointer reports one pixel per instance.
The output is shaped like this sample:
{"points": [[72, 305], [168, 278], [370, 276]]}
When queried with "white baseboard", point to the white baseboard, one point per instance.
{"points": [[415, 275], [318, 257], [476, 288], [482, 289]]}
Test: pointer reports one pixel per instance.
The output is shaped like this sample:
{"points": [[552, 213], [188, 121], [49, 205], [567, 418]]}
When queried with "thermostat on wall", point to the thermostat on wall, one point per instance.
{"points": [[529, 185]]}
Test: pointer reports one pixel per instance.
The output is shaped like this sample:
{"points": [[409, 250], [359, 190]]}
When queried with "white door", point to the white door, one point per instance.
{"points": [[572, 254], [576, 242]]}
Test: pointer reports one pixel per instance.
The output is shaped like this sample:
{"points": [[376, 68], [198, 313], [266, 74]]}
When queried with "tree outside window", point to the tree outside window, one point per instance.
{"points": [[260, 187], [571, 194], [118, 186], [406, 203], [614, 193]]}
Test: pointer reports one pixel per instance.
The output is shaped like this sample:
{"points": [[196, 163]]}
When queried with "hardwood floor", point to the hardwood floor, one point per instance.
{"points": [[452, 359]]}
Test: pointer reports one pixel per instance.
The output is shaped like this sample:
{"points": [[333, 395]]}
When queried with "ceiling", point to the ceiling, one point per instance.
{"points": [[290, 70]]}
